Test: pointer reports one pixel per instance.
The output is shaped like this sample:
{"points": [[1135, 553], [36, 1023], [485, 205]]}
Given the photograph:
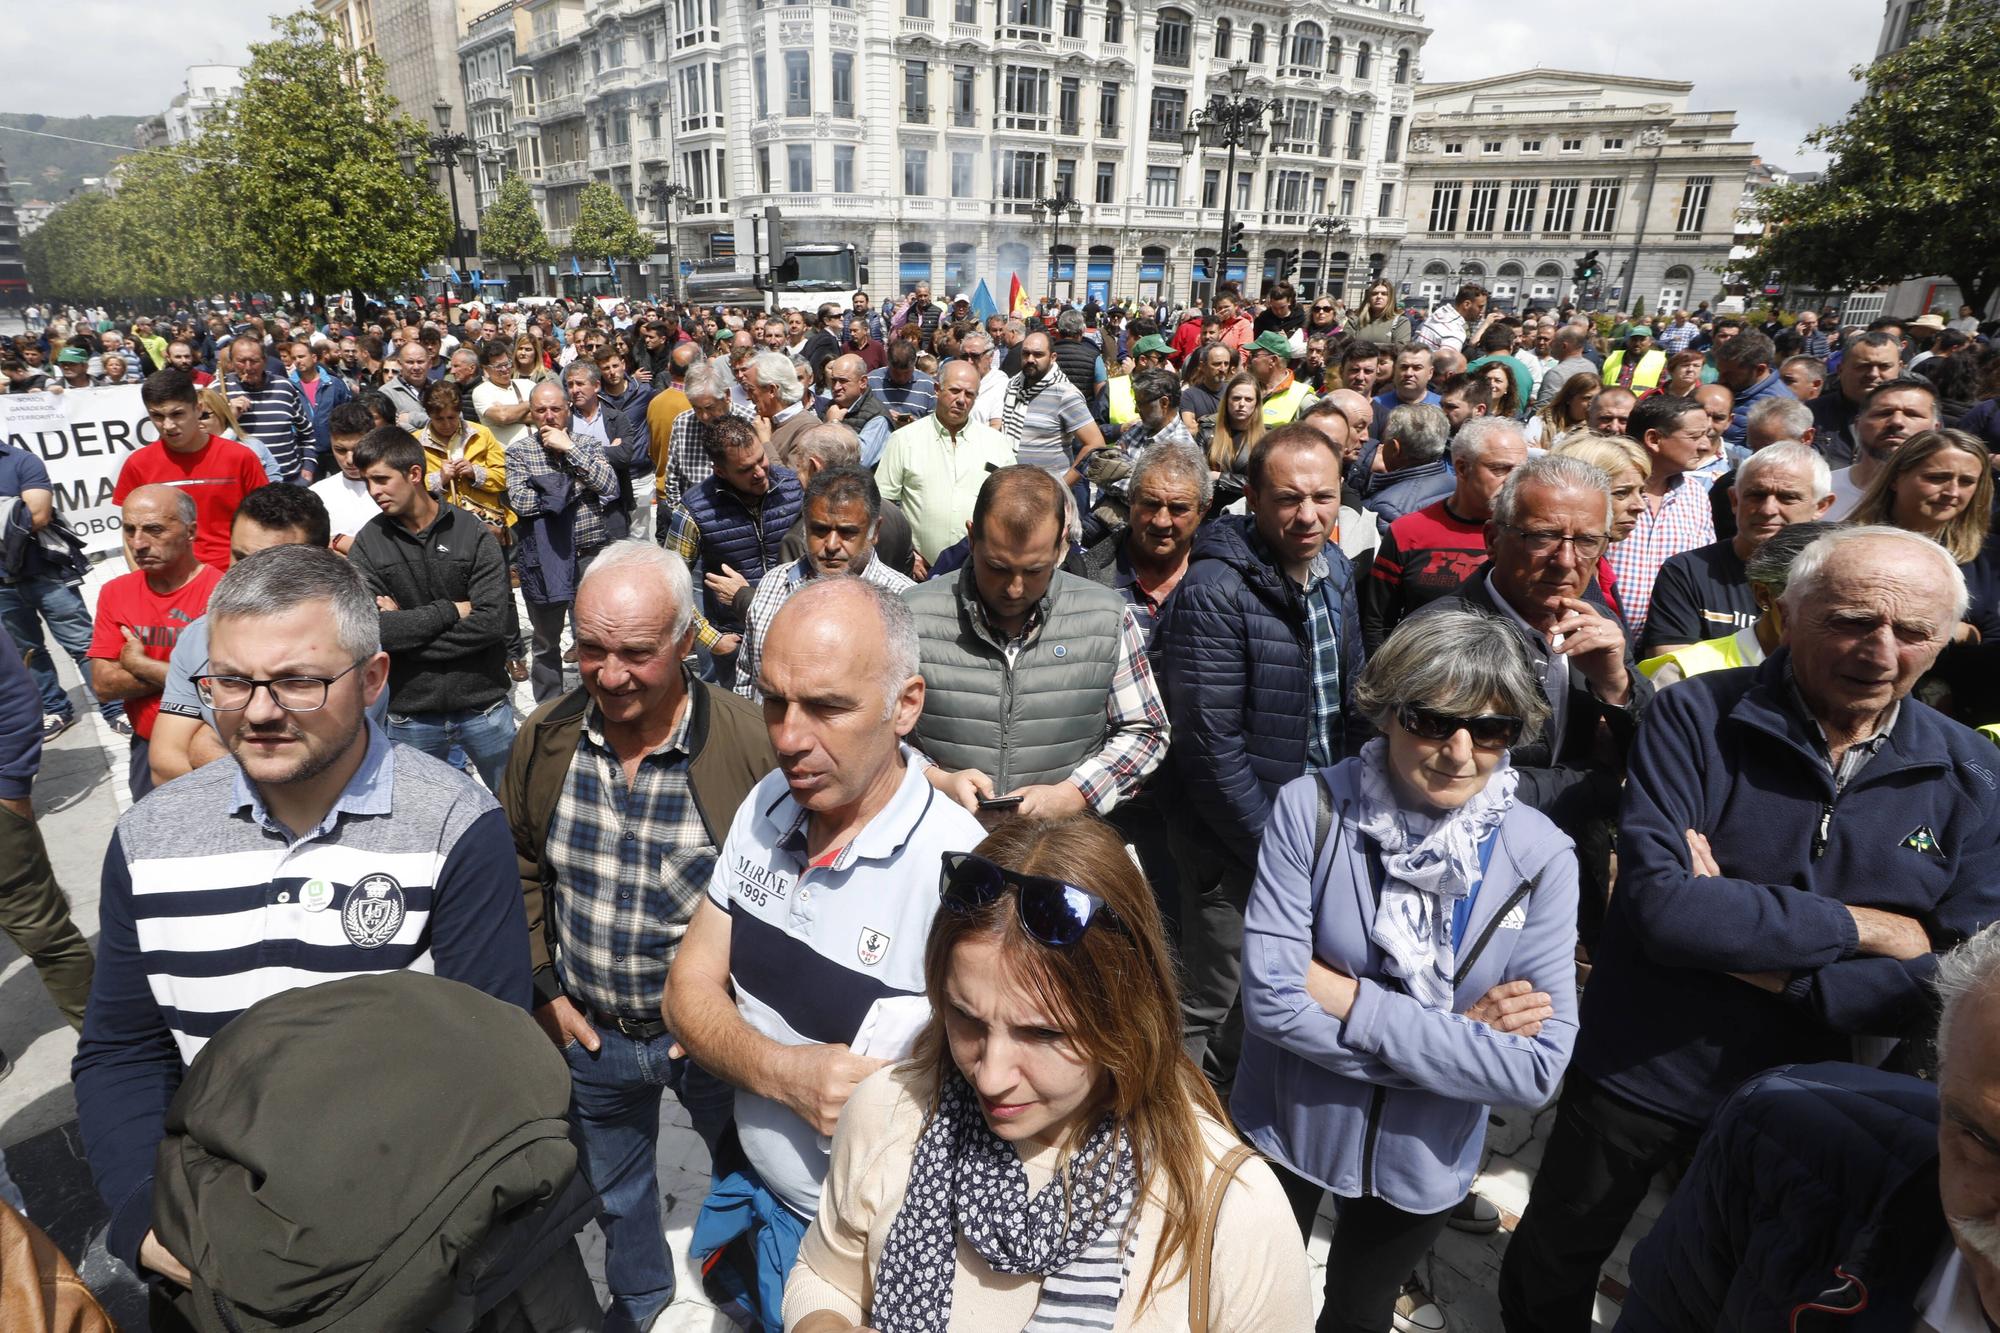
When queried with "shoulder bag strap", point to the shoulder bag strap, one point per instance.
{"points": [[1204, 1239]]}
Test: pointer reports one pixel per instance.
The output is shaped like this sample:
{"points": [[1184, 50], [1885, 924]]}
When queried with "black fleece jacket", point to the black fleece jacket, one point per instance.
{"points": [[438, 661]]}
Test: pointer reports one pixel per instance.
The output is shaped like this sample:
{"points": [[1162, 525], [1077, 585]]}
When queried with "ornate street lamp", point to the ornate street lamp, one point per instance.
{"points": [[443, 149], [664, 194], [1231, 121], [1332, 231], [1053, 209]]}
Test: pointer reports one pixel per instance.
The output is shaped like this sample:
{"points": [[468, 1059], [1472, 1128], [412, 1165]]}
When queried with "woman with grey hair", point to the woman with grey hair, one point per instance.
{"points": [[1409, 956]]}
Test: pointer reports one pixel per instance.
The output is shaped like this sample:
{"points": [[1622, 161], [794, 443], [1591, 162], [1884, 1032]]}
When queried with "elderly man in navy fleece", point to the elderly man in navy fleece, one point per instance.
{"points": [[1799, 841]]}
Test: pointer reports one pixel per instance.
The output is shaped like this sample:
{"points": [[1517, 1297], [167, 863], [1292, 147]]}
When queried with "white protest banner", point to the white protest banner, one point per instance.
{"points": [[83, 437]]}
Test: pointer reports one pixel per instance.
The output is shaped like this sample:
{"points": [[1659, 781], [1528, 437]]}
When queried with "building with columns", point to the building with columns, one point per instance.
{"points": [[1513, 178], [923, 132]]}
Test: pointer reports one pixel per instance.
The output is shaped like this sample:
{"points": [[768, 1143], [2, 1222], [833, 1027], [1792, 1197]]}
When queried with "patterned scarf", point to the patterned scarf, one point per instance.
{"points": [[1076, 1232], [1020, 394], [1429, 863]]}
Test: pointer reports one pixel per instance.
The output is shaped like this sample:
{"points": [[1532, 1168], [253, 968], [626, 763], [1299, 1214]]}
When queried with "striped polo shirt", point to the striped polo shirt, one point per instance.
{"points": [[209, 905], [813, 949], [226, 909]]}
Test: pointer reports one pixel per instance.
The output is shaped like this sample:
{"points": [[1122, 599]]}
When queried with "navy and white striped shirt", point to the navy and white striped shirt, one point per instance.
{"points": [[209, 905], [277, 416]]}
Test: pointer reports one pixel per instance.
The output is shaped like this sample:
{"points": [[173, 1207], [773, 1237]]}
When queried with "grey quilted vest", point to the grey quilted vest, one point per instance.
{"points": [[1028, 723]]}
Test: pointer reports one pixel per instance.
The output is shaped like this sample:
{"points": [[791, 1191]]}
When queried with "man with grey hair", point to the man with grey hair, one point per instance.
{"points": [[982, 352], [688, 459], [851, 404], [775, 393], [618, 795], [1705, 593], [318, 850], [1414, 472], [1810, 1172], [796, 1007], [1566, 349], [1429, 553], [1551, 520], [1798, 843]]}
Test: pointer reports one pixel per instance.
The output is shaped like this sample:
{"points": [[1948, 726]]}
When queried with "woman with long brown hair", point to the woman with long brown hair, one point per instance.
{"points": [[1239, 424], [1050, 1143], [1568, 411]]}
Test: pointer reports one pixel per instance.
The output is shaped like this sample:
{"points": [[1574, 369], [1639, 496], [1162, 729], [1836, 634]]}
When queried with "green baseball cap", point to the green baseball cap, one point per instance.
{"points": [[1270, 340], [70, 356], [1151, 343]]}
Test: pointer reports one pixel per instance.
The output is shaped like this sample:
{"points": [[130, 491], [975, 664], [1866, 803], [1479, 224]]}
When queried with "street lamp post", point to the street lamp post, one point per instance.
{"points": [[1055, 208], [1331, 231], [1227, 122], [664, 193], [443, 149]]}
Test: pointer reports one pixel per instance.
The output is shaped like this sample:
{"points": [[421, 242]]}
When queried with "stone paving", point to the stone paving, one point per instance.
{"points": [[78, 797]]}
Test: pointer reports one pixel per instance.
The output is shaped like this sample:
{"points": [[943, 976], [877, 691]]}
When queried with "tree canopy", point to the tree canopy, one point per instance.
{"points": [[295, 184], [1913, 187], [510, 230], [604, 226]]}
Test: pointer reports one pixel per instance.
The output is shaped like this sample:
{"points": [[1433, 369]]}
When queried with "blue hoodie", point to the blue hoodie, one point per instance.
{"points": [[1392, 1103]]}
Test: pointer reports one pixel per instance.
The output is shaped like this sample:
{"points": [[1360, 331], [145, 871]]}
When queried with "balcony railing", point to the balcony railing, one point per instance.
{"points": [[964, 119], [1069, 125], [917, 115], [559, 106], [654, 150], [565, 173]]}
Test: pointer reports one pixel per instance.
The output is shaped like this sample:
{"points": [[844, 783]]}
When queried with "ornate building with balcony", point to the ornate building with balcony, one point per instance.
{"points": [[1514, 178], [923, 132], [486, 60]]}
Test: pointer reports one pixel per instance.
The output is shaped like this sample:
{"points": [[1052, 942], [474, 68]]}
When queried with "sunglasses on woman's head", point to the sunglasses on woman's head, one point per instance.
{"points": [[1489, 731], [1052, 912]]}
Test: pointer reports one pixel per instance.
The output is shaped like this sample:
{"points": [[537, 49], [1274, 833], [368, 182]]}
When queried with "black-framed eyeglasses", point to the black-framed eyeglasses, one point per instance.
{"points": [[1052, 912], [1489, 731], [1587, 545], [294, 694]]}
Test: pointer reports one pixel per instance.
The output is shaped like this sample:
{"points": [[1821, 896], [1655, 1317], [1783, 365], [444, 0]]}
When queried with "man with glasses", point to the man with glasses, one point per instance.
{"points": [[990, 405], [321, 851], [1550, 524], [851, 402], [811, 936]]}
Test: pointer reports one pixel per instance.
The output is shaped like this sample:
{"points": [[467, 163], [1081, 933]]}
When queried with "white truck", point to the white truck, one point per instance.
{"points": [[807, 277]]}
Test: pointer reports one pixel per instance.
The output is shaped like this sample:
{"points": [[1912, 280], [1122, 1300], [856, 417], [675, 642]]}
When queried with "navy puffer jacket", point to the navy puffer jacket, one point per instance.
{"points": [[1233, 661], [1812, 1205]]}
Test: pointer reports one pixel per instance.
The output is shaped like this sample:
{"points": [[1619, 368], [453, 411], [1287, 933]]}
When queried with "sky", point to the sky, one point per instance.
{"points": [[1782, 76]]}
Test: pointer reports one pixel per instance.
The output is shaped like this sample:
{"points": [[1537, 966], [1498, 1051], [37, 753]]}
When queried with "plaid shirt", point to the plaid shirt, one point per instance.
{"points": [[1323, 654], [682, 536], [688, 463], [631, 865], [585, 465], [1682, 522], [1676, 337]]}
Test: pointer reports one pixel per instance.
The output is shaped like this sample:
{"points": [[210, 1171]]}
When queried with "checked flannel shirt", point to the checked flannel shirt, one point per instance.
{"points": [[631, 865], [688, 463], [1683, 521], [1323, 656]]}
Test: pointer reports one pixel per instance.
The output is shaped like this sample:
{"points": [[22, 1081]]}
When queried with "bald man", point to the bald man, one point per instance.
{"points": [[851, 403], [140, 615]]}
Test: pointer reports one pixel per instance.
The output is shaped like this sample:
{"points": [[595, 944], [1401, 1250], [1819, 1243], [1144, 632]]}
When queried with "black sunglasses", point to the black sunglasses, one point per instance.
{"points": [[1489, 731], [1051, 911]]}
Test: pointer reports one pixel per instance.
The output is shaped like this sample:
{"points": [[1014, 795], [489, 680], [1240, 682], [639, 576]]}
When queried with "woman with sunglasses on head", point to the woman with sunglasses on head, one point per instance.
{"points": [[1042, 1161], [1409, 956]]}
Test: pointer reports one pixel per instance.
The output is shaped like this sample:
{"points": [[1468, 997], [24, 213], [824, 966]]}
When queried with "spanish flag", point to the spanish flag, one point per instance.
{"points": [[1017, 298]]}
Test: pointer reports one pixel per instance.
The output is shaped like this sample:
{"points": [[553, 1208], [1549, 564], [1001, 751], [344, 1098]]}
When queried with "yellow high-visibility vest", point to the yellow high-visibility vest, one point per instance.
{"points": [[1708, 655], [1124, 407]]}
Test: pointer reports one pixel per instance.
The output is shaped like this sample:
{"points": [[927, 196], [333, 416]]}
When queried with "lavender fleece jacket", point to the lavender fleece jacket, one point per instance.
{"points": [[1392, 1103]]}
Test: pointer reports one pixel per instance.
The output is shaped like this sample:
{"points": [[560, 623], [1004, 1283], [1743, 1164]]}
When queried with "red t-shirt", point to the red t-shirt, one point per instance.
{"points": [[218, 475], [127, 603]]}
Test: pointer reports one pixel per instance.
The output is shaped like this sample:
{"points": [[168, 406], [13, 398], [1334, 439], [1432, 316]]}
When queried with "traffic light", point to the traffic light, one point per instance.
{"points": [[1232, 239], [1586, 269], [1288, 264]]}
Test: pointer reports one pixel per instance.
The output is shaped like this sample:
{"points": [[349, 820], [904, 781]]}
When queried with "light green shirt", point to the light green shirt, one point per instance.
{"points": [[935, 477]]}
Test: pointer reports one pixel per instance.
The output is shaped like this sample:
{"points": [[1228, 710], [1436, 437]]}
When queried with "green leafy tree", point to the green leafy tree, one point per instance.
{"points": [[604, 226], [1913, 186], [316, 194], [510, 230], [1638, 307], [72, 255], [170, 224]]}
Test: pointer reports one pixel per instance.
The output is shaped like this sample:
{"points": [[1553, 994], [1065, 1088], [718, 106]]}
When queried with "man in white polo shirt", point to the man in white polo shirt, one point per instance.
{"points": [[802, 972]]}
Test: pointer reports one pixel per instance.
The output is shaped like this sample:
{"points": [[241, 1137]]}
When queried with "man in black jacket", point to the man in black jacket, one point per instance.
{"points": [[447, 611]]}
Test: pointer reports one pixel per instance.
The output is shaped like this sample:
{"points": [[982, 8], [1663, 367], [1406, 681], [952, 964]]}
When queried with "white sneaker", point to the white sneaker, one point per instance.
{"points": [[1416, 1312]]}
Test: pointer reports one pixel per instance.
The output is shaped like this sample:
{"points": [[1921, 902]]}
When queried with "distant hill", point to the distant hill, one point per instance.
{"points": [[50, 168]]}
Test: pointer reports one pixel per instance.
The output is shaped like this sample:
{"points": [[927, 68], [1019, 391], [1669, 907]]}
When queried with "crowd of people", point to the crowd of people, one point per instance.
{"points": [[997, 774]]}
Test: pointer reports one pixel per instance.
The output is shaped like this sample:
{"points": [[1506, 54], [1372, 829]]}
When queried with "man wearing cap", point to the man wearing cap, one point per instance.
{"points": [[1149, 353], [1271, 363], [1639, 366], [74, 363]]}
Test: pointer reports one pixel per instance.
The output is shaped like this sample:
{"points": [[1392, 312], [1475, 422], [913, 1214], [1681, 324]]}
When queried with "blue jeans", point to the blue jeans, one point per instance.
{"points": [[485, 734], [614, 1112], [28, 602]]}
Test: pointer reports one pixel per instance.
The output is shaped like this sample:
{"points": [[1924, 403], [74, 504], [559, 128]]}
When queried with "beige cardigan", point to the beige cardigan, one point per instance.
{"points": [[1260, 1279]]}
